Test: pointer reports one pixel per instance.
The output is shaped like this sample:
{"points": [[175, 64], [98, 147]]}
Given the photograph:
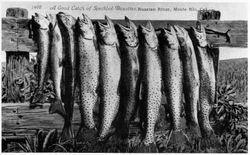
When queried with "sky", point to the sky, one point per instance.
{"points": [[97, 10]]}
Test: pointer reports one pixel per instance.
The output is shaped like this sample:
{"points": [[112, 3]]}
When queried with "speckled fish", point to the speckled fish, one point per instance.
{"points": [[151, 80], [110, 73], [172, 74], [43, 49], [56, 51], [207, 79], [88, 70], [191, 81], [129, 44], [66, 25]]}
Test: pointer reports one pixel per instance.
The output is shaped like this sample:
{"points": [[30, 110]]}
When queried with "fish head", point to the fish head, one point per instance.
{"points": [[168, 36], [149, 35], [128, 32], [66, 20], [106, 32], [182, 35], [85, 27], [41, 21], [52, 19], [199, 35]]}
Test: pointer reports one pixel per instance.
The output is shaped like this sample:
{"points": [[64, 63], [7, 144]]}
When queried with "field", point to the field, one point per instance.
{"points": [[228, 119], [234, 73]]}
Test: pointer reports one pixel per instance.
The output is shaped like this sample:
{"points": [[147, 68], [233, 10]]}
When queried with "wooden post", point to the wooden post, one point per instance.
{"points": [[17, 61]]}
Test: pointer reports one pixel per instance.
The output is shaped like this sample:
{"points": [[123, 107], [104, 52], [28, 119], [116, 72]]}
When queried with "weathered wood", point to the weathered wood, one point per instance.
{"points": [[15, 34], [19, 120], [209, 15], [15, 74], [17, 12]]}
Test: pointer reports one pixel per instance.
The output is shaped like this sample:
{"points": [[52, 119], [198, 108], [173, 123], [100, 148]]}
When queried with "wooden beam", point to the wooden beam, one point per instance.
{"points": [[15, 34], [19, 120]]}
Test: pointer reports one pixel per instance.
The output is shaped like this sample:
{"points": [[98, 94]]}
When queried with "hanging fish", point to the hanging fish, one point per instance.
{"points": [[66, 25], [41, 23], [172, 74], [56, 52], [191, 81], [207, 79], [151, 80], [110, 74], [88, 70], [129, 44]]}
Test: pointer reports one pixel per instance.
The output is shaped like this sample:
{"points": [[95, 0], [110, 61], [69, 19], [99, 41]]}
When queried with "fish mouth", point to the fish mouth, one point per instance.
{"points": [[60, 15], [108, 23], [149, 27], [85, 18], [127, 26]]}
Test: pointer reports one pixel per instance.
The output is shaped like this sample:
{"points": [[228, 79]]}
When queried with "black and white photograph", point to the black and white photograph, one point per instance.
{"points": [[124, 77]]}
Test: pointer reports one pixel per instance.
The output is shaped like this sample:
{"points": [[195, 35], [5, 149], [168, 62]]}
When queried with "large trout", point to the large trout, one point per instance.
{"points": [[88, 70], [110, 73], [129, 44], [172, 74], [207, 79], [191, 81], [56, 52], [151, 80], [42, 25], [66, 24]]}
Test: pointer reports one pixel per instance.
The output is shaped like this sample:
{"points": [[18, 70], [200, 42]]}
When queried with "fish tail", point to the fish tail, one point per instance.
{"points": [[57, 107], [67, 131]]}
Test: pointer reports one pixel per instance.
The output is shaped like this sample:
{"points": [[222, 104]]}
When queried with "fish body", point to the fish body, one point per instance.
{"points": [[191, 81], [66, 25], [172, 74], [42, 25], [110, 73], [151, 80], [129, 44], [56, 52], [207, 79], [88, 69]]}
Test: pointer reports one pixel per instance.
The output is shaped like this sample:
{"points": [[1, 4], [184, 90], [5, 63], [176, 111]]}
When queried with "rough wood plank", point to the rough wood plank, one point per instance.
{"points": [[15, 35], [15, 32], [17, 12], [15, 74], [32, 119]]}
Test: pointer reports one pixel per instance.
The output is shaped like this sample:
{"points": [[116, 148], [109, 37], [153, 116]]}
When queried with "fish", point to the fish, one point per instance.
{"points": [[66, 25], [172, 73], [110, 74], [42, 28], [207, 79], [151, 80], [191, 79], [88, 70], [129, 45], [55, 60]]}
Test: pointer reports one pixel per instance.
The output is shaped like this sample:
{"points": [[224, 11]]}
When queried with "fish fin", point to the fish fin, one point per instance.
{"points": [[57, 107]]}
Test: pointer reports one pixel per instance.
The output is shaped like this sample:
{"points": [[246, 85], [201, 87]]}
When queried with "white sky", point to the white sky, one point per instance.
{"points": [[229, 11]]}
